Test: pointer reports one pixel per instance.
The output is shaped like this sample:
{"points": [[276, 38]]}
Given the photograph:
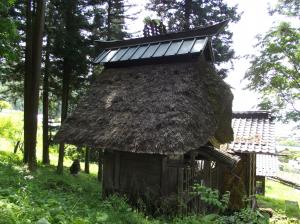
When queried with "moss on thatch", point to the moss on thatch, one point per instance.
{"points": [[164, 109]]}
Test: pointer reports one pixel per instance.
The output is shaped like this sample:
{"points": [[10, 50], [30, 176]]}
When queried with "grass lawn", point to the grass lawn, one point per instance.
{"points": [[276, 194]]}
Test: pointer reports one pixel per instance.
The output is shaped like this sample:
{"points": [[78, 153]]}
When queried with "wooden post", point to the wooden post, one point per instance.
{"points": [[180, 190], [87, 160], [117, 171], [100, 164], [263, 183], [163, 177]]}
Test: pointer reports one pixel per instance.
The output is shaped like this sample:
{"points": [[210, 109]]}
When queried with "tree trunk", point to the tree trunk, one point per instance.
{"points": [[187, 14], [27, 80], [46, 159], [87, 160], [34, 34], [67, 72], [100, 164], [64, 112], [109, 12], [37, 38]]}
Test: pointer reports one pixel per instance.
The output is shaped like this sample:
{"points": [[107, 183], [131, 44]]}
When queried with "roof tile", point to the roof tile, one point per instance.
{"points": [[253, 132]]}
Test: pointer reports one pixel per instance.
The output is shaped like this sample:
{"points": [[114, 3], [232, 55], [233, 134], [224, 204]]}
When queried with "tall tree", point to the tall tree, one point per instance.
{"points": [[70, 29], [275, 70], [46, 159], [115, 22], [34, 37], [72, 47], [187, 14]]}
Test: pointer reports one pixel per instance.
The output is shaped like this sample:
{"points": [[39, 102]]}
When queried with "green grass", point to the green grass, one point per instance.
{"points": [[65, 199], [276, 194], [27, 197]]}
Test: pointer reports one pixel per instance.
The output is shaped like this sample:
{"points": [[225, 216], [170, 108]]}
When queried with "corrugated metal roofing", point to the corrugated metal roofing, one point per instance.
{"points": [[152, 50], [267, 165]]}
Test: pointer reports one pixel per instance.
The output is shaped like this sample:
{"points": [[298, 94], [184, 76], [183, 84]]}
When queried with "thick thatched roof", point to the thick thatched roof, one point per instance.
{"points": [[163, 108]]}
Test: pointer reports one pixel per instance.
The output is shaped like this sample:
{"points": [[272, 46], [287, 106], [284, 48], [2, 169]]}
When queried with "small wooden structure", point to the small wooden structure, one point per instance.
{"points": [[158, 109], [254, 142]]}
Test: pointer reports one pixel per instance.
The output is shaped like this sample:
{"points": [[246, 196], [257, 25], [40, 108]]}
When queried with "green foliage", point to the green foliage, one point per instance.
{"points": [[276, 194], [246, 215], [7, 213], [288, 142], [45, 197], [287, 7], [4, 105], [11, 127], [275, 70], [8, 32], [188, 14], [212, 197], [27, 198]]}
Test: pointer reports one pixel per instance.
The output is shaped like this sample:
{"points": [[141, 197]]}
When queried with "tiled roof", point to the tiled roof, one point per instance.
{"points": [[253, 132], [266, 165]]}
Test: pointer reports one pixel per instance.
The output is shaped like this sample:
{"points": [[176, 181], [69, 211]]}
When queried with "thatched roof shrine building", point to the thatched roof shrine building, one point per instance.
{"points": [[158, 109]]}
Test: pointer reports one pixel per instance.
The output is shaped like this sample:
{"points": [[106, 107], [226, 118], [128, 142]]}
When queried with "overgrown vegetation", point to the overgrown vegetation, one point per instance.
{"points": [[212, 197], [28, 197], [11, 127], [276, 194]]}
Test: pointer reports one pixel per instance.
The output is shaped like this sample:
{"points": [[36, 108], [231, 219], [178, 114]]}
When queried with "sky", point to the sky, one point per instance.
{"points": [[254, 20]]}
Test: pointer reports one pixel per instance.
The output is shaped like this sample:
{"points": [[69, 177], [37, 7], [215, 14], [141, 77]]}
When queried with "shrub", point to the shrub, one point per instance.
{"points": [[212, 197], [4, 105], [246, 215], [7, 213], [11, 127]]}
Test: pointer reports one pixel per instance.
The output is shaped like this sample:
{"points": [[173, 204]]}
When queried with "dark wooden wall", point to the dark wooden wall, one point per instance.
{"points": [[241, 181], [131, 173], [163, 181]]}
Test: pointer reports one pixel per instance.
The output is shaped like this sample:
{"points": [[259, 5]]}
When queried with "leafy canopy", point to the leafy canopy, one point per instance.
{"points": [[181, 15], [8, 32], [275, 71]]}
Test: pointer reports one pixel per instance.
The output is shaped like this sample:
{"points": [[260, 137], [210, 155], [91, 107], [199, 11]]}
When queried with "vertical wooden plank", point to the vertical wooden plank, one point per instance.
{"points": [[254, 172], [117, 170], [108, 173], [180, 189], [250, 175], [246, 177], [164, 176], [263, 181]]}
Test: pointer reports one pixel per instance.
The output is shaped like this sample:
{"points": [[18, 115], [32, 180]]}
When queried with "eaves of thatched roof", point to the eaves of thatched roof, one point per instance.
{"points": [[162, 109]]}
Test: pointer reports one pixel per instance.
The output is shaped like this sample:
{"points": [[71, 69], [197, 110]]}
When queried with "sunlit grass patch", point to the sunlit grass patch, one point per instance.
{"points": [[275, 198]]}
